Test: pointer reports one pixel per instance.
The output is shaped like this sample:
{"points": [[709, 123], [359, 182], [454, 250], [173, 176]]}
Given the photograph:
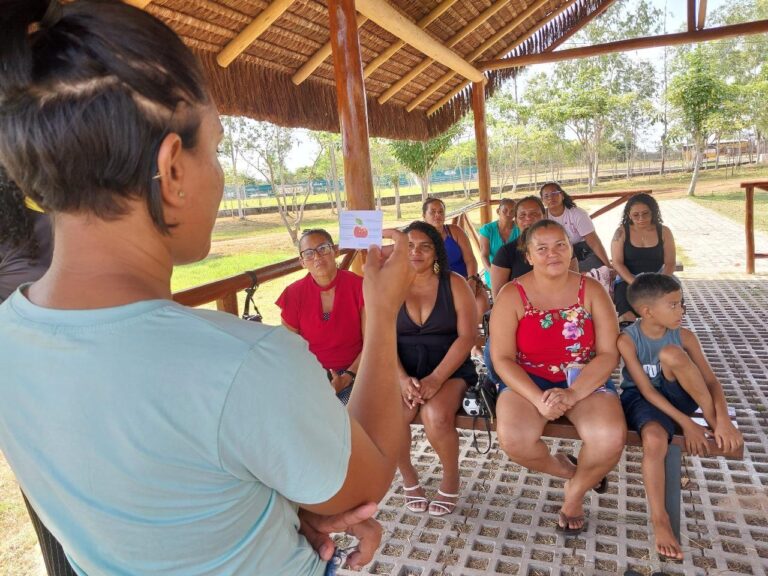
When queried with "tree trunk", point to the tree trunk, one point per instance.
{"points": [[335, 178], [233, 156], [424, 182], [695, 175]]}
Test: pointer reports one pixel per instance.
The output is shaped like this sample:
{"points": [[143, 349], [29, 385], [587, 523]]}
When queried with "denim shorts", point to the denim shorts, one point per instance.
{"points": [[545, 384], [640, 411]]}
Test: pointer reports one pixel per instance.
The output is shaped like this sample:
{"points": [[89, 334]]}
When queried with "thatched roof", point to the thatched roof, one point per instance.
{"points": [[259, 83]]}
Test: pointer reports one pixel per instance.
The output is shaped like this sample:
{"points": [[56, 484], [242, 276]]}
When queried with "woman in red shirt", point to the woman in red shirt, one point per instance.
{"points": [[326, 309], [543, 322]]}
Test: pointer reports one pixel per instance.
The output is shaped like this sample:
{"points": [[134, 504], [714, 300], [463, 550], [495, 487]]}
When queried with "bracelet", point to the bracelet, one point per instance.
{"points": [[353, 374]]}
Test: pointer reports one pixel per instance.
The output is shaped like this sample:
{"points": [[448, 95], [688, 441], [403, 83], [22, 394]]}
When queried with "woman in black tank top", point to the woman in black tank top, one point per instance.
{"points": [[435, 331], [641, 244]]}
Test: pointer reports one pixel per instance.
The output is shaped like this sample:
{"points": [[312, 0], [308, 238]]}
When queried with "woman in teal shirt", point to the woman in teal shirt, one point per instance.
{"points": [[495, 234]]}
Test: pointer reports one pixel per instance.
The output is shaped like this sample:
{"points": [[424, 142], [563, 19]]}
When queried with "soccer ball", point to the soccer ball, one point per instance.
{"points": [[471, 404]]}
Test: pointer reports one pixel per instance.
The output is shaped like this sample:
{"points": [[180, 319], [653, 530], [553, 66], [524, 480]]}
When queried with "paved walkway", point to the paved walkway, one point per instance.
{"points": [[505, 521]]}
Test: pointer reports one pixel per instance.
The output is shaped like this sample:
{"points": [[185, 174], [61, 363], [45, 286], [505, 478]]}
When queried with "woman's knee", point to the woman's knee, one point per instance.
{"points": [[608, 439], [515, 442], [438, 418]]}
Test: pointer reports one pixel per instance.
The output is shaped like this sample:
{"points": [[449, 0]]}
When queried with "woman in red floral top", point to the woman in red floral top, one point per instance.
{"points": [[543, 322]]}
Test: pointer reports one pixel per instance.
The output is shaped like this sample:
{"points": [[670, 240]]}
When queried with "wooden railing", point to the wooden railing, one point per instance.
{"points": [[224, 292], [749, 221]]}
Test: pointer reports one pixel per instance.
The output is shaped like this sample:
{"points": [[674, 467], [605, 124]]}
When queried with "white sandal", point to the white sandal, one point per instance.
{"points": [[444, 507], [414, 503]]}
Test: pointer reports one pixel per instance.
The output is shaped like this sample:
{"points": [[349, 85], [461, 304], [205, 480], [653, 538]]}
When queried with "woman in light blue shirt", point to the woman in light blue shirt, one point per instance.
{"points": [[495, 234]]}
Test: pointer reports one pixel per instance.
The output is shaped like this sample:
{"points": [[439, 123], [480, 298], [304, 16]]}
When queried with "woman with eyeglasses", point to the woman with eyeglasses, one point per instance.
{"points": [[152, 438], [641, 244], [587, 247], [435, 331], [326, 309]]}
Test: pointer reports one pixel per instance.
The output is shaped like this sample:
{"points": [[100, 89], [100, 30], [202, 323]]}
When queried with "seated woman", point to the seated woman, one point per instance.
{"points": [[26, 244], [461, 259], [495, 234], [641, 244], [326, 309], [435, 332], [545, 321], [561, 208]]}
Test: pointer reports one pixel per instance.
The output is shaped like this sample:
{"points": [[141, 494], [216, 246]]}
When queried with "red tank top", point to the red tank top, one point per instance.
{"points": [[549, 340]]}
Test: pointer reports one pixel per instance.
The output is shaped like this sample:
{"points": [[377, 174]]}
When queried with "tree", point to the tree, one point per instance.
{"points": [[696, 92], [238, 137], [385, 169], [330, 146], [421, 157]]}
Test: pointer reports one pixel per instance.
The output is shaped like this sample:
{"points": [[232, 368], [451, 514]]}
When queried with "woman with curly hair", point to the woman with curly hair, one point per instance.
{"points": [[435, 332], [641, 244], [25, 238]]}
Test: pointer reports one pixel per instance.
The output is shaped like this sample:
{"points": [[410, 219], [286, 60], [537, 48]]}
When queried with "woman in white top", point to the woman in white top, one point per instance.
{"points": [[587, 247]]}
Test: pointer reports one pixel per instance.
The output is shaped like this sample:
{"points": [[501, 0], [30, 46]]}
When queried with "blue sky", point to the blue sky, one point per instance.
{"points": [[305, 151]]}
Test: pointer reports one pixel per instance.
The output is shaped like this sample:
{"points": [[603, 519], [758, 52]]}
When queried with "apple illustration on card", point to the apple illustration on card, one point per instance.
{"points": [[359, 229]]}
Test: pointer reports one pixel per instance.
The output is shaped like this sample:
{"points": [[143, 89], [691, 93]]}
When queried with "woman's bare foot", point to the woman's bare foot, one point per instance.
{"points": [[572, 511], [666, 543]]}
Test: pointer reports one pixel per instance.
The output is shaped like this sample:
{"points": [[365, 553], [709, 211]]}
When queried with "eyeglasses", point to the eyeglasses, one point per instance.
{"points": [[311, 253], [548, 195]]}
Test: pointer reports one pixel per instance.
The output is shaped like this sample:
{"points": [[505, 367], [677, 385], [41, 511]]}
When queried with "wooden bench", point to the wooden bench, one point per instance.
{"points": [[562, 428]]}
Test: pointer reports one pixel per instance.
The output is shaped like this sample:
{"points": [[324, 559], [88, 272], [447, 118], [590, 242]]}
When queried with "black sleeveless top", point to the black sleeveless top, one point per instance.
{"points": [[422, 348], [638, 259]]}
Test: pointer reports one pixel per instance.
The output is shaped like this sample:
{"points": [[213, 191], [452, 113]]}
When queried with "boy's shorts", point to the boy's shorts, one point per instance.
{"points": [[640, 411]]}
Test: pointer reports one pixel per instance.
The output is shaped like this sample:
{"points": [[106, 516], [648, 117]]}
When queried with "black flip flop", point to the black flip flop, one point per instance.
{"points": [[567, 520], [600, 488]]}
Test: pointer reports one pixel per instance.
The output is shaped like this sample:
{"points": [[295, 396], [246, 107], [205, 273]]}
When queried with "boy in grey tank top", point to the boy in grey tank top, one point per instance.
{"points": [[665, 378]]}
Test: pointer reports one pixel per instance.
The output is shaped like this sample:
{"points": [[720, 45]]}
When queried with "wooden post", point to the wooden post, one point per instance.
{"points": [[481, 140], [228, 304], [353, 114], [749, 227]]}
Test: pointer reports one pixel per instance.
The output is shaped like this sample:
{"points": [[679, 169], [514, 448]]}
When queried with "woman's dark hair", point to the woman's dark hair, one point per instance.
{"points": [[650, 286], [649, 201], [429, 201], [506, 202], [568, 202], [86, 99], [441, 257], [16, 226], [319, 231], [531, 230], [530, 198]]}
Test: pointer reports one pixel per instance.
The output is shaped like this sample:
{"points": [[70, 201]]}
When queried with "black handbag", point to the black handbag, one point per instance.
{"points": [[480, 403], [256, 316]]}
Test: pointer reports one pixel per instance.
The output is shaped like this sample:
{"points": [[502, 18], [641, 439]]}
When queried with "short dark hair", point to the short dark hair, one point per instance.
{"points": [[507, 202], [87, 98], [441, 257], [568, 202], [649, 201], [650, 286], [429, 201], [16, 225], [319, 231], [531, 198], [545, 223]]}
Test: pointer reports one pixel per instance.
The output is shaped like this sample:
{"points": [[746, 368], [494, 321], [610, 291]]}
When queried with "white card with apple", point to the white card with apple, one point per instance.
{"points": [[359, 229]]}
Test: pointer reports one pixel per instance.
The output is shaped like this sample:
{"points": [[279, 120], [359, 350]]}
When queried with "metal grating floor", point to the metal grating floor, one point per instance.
{"points": [[505, 521]]}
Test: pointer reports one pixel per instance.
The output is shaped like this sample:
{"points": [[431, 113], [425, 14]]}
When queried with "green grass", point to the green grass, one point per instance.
{"points": [[216, 267], [732, 205]]}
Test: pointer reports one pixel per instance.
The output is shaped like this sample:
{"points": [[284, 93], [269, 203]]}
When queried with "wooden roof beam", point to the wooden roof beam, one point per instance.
{"points": [[383, 14], [436, 12], [691, 15], [319, 57], [519, 19], [747, 28], [702, 15], [256, 28], [138, 3]]}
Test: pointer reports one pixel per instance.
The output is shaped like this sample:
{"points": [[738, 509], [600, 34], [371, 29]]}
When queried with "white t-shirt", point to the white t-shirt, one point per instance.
{"points": [[157, 439], [576, 222]]}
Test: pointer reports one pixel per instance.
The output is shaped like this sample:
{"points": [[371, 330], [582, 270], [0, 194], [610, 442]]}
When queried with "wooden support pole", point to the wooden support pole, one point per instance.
{"points": [[691, 15], [702, 15], [745, 29], [228, 304], [436, 12], [481, 139], [138, 3], [319, 57], [246, 37], [749, 227], [350, 95]]}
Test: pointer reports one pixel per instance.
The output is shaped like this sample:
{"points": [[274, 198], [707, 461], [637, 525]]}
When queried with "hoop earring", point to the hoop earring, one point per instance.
{"points": [[436, 267]]}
